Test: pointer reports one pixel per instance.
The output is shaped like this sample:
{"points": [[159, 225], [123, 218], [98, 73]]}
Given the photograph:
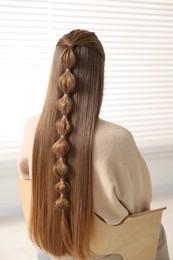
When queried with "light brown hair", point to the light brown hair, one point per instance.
{"points": [[62, 193]]}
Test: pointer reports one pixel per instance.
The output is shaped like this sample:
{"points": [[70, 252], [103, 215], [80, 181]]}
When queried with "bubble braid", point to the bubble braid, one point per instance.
{"points": [[61, 147]]}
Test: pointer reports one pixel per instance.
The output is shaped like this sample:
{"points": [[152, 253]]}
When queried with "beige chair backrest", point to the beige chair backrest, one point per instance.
{"points": [[136, 238]]}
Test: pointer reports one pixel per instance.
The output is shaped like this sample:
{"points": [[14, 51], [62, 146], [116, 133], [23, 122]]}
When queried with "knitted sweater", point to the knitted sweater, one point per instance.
{"points": [[121, 179]]}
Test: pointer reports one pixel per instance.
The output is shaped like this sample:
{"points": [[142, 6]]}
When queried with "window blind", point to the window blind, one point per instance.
{"points": [[24, 52], [138, 40]]}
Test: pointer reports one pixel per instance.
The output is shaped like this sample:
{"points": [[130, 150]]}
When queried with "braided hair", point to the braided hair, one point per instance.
{"points": [[61, 147], [61, 220]]}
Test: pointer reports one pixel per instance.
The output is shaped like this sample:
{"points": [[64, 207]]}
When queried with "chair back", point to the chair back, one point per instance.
{"points": [[136, 238]]}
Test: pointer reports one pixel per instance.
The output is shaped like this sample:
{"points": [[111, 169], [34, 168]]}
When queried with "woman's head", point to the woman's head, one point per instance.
{"points": [[62, 153], [82, 52]]}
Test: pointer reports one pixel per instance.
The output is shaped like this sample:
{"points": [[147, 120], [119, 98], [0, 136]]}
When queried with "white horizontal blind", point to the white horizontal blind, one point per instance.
{"points": [[24, 69], [138, 40]]}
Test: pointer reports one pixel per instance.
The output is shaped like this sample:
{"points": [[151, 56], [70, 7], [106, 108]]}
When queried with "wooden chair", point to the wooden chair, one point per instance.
{"points": [[136, 238]]}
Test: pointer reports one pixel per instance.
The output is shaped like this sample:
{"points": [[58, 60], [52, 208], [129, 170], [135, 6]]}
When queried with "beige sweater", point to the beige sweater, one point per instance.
{"points": [[121, 181]]}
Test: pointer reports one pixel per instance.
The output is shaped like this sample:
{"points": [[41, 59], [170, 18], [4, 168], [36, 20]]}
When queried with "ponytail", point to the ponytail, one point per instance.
{"points": [[61, 147]]}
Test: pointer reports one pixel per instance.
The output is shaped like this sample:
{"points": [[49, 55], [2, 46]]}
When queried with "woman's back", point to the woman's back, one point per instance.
{"points": [[121, 182]]}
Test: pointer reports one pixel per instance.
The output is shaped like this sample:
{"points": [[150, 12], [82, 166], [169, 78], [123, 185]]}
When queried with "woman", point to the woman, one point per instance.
{"points": [[78, 163]]}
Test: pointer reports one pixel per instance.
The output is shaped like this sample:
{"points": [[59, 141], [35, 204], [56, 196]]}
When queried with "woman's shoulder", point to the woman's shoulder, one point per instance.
{"points": [[32, 120], [112, 130], [112, 138], [31, 123]]}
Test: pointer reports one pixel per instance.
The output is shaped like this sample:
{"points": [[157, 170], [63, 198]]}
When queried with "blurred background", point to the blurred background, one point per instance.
{"points": [[137, 36]]}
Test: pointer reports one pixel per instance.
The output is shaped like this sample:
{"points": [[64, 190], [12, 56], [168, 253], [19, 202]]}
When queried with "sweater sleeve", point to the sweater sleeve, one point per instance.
{"points": [[24, 162], [121, 180], [132, 184]]}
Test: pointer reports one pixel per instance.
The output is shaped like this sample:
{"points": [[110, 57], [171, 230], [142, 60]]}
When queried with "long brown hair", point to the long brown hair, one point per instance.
{"points": [[61, 219]]}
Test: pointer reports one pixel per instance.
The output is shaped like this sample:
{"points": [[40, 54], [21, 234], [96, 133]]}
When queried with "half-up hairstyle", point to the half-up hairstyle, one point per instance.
{"points": [[61, 220]]}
